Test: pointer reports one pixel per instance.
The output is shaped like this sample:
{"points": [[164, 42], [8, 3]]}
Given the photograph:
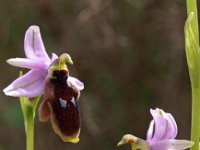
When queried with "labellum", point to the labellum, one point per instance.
{"points": [[60, 101]]}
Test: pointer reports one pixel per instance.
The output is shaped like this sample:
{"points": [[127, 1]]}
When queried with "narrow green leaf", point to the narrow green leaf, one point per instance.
{"points": [[36, 101], [23, 104], [192, 7], [192, 51]]}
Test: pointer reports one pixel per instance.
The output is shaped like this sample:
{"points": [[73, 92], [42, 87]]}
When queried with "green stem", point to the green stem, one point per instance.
{"points": [[195, 117], [192, 7], [28, 108], [29, 125], [195, 131]]}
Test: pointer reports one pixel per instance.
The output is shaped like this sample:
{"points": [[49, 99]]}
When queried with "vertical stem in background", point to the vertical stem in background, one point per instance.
{"points": [[193, 50], [195, 134]]}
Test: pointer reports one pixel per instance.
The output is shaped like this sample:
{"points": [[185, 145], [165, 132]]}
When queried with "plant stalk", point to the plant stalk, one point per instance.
{"points": [[28, 108], [195, 134], [195, 131], [29, 126]]}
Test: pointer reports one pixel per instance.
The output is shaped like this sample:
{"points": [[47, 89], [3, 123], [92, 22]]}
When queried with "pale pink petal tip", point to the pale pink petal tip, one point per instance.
{"points": [[54, 57], [179, 144], [76, 83]]}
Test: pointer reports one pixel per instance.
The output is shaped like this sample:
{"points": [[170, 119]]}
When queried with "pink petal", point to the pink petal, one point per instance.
{"points": [[29, 85], [160, 124], [172, 129], [28, 63], [33, 44], [76, 83], [171, 144], [150, 131], [165, 125], [54, 57], [179, 144]]}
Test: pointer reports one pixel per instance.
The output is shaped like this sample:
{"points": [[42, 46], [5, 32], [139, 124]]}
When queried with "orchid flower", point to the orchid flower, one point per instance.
{"points": [[37, 60], [160, 135], [51, 78]]}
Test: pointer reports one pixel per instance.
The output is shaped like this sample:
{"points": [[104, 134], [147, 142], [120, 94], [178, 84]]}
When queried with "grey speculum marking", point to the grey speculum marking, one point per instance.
{"points": [[63, 103], [74, 101]]}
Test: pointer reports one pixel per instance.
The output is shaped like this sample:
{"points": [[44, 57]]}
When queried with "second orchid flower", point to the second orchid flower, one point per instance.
{"points": [[160, 135]]}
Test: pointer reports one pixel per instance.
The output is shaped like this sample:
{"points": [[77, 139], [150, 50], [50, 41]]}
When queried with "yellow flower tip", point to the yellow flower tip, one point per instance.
{"points": [[160, 111], [65, 59], [61, 62], [71, 140], [127, 139]]}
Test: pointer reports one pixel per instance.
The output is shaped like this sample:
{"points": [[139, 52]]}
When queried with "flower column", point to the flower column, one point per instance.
{"points": [[160, 135]]}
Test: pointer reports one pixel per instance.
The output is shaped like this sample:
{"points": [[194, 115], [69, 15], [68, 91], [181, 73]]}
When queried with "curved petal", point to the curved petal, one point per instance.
{"points": [[172, 129], [160, 124], [150, 131], [33, 44], [179, 144], [54, 57], [171, 145], [44, 111], [30, 91], [27, 63], [76, 83], [29, 85]]}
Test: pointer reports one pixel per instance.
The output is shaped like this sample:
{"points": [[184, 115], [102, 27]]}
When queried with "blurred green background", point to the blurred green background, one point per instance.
{"points": [[129, 53]]}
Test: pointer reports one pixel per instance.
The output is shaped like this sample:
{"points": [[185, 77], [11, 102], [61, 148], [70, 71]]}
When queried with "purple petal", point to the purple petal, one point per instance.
{"points": [[29, 85], [179, 144], [54, 57], [171, 131], [160, 124], [171, 145], [150, 131], [33, 44], [76, 83], [28, 63]]}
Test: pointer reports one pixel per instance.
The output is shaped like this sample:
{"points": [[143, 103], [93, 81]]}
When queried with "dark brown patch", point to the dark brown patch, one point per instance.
{"points": [[65, 111]]}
